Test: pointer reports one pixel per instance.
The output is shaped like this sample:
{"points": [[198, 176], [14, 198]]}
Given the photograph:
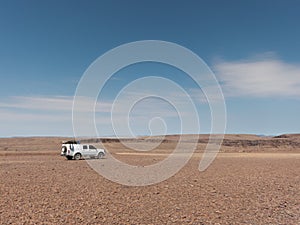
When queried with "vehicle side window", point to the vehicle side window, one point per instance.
{"points": [[85, 147], [92, 147]]}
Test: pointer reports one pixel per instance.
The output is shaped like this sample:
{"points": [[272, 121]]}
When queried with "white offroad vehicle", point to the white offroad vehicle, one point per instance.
{"points": [[75, 150]]}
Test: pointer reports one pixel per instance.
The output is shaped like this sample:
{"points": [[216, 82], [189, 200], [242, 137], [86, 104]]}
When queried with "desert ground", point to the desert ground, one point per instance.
{"points": [[253, 180]]}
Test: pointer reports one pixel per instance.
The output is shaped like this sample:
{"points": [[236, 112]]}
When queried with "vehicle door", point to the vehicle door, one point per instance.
{"points": [[85, 151], [92, 151]]}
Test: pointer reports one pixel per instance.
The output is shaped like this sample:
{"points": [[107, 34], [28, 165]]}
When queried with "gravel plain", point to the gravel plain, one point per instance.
{"points": [[38, 186]]}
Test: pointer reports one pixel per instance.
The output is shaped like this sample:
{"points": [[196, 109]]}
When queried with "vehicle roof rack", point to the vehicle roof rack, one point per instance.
{"points": [[71, 142]]}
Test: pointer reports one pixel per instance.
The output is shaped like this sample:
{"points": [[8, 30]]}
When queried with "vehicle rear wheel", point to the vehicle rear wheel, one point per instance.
{"points": [[77, 156], [100, 155], [69, 157]]}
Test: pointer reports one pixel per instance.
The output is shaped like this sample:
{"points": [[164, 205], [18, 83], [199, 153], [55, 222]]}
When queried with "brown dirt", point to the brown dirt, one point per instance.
{"points": [[39, 187]]}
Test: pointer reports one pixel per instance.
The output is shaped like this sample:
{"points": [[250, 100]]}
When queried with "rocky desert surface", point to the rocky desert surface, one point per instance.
{"points": [[253, 180]]}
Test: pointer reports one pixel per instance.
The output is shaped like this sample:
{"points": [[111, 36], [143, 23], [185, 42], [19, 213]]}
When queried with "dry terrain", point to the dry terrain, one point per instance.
{"points": [[253, 180]]}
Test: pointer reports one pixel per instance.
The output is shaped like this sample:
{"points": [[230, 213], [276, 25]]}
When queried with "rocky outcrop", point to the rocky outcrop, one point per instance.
{"points": [[274, 142]]}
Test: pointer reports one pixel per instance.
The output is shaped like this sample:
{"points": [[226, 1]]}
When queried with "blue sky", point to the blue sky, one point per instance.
{"points": [[253, 47]]}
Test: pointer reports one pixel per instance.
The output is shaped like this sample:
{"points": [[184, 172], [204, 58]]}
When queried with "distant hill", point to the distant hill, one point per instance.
{"points": [[231, 142]]}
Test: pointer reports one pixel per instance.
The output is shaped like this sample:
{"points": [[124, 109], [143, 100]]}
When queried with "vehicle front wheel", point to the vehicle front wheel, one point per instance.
{"points": [[100, 155], [77, 156]]}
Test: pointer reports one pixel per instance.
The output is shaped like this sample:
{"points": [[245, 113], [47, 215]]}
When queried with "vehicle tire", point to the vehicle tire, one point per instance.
{"points": [[69, 157], [100, 155], [77, 156]]}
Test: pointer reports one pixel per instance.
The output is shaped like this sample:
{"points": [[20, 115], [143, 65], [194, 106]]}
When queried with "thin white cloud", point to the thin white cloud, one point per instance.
{"points": [[9, 116], [21, 115], [54, 103], [49, 103], [261, 77], [138, 103]]}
